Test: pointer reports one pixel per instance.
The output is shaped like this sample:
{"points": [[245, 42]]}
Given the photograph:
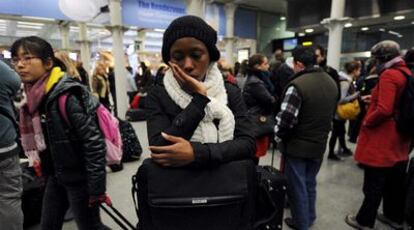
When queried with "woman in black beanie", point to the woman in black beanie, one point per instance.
{"points": [[195, 118]]}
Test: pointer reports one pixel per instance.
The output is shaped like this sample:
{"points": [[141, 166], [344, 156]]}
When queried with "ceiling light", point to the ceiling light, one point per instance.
{"points": [[301, 34], [393, 33], [364, 28], [382, 29], [399, 17], [159, 30], [282, 18], [309, 30], [30, 23], [347, 25], [29, 27], [39, 18], [400, 36]]}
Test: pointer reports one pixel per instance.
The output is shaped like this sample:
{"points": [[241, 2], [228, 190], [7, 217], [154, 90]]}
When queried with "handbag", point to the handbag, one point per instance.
{"points": [[263, 124], [348, 111], [187, 198]]}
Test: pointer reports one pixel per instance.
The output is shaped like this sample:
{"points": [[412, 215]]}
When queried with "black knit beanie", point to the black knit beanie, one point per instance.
{"points": [[190, 26]]}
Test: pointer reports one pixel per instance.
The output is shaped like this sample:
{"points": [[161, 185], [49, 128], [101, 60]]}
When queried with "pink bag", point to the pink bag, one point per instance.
{"points": [[109, 127]]}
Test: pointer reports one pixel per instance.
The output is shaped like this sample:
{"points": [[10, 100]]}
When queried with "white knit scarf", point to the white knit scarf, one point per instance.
{"points": [[206, 132]]}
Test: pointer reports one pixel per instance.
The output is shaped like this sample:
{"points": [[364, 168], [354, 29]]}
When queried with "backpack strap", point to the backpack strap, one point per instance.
{"points": [[62, 107], [403, 72]]}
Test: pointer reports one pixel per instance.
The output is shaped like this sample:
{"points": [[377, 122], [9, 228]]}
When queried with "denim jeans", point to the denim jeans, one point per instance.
{"points": [[56, 201], [11, 188], [301, 175], [388, 185]]}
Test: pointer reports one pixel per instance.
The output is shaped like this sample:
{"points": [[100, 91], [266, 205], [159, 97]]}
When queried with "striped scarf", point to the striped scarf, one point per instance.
{"points": [[33, 140]]}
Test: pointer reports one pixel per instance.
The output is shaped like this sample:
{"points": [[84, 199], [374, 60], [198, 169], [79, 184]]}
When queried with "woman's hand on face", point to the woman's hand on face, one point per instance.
{"points": [[179, 153], [186, 81]]}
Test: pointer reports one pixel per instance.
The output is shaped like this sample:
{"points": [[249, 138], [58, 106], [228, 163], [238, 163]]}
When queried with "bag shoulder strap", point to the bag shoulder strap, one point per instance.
{"points": [[403, 72], [62, 107]]}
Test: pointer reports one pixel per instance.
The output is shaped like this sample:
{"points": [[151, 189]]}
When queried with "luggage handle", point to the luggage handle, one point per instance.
{"points": [[272, 215], [119, 222], [134, 190]]}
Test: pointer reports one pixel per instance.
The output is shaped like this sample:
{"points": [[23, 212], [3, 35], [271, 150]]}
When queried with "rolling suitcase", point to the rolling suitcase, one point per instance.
{"points": [[270, 199], [136, 115], [117, 217], [32, 197]]}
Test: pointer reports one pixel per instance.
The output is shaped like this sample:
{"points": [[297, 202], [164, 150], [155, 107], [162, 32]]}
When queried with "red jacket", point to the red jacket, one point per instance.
{"points": [[379, 143]]}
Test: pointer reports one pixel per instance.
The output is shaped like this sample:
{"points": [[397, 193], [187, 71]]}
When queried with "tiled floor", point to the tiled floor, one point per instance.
{"points": [[339, 190]]}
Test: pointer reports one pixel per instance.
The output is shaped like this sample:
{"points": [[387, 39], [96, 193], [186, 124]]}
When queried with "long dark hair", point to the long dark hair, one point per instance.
{"points": [[38, 47], [255, 59]]}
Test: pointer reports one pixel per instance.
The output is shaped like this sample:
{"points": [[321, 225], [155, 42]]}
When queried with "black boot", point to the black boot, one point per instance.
{"points": [[346, 152], [333, 157]]}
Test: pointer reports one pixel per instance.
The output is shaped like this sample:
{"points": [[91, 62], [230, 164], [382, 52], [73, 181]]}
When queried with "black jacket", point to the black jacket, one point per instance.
{"points": [[257, 97], [280, 77], [166, 116], [76, 151]]}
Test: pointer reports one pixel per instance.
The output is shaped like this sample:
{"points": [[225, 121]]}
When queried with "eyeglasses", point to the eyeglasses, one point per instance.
{"points": [[25, 60]]}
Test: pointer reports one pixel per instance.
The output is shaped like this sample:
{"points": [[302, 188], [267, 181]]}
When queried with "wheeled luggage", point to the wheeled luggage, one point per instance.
{"points": [[131, 146], [117, 217], [270, 198], [218, 198], [136, 115], [32, 197]]}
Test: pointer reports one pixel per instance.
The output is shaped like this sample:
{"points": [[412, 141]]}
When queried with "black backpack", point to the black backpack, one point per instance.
{"points": [[131, 146], [405, 118]]}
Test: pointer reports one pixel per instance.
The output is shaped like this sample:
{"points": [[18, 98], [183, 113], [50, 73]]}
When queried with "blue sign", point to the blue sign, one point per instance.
{"points": [[151, 13]]}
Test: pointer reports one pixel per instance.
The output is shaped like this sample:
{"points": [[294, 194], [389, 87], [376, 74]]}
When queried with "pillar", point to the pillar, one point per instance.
{"points": [[85, 51], [230, 9], [118, 54], [64, 35], [196, 7], [335, 25]]}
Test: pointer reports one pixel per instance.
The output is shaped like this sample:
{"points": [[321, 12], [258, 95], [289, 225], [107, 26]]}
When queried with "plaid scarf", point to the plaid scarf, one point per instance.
{"points": [[33, 141]]}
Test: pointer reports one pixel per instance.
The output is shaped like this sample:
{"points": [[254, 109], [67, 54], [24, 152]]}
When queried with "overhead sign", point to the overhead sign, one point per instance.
{"points": [[151, 13]]}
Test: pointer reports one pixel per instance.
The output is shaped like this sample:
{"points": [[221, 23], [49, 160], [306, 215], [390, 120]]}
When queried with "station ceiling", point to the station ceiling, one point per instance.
{"points": [[272, 6]]}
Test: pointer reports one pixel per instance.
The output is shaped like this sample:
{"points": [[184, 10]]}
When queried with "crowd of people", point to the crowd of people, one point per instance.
{"points": [[202, 114]]}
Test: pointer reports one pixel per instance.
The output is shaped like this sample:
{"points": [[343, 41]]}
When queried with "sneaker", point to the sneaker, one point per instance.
{"points": [[334, 157], [381, 217], [290, 224], [351, 221]]}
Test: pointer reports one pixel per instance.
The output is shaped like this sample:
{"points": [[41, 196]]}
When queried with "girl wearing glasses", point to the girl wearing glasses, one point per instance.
{"points": [[72, 158]]}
